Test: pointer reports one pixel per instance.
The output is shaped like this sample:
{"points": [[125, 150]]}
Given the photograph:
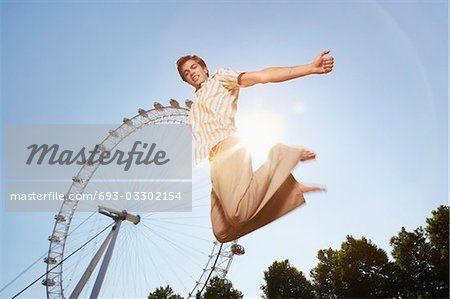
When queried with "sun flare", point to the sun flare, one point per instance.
{"points": [[259, 131]]}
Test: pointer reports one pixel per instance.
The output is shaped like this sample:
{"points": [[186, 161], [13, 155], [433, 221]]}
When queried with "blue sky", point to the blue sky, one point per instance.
{"points": [[378, 122]]}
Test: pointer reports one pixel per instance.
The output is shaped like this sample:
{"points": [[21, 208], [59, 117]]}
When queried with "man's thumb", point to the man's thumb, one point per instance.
{"points": [[324, 52]]}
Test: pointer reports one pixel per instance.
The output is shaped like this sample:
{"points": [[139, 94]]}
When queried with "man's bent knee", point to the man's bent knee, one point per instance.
{"points": [[237, 220], [223, 233]]}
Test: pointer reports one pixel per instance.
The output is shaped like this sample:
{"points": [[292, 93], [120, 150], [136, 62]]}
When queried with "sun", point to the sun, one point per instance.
{"points": [[260, 130]]}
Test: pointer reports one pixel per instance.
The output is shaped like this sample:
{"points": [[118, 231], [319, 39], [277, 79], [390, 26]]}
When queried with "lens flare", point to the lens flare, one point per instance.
{"points": [[259, 131]]}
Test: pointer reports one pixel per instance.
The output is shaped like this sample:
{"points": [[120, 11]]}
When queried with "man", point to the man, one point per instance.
{"points": [[242, 200]]}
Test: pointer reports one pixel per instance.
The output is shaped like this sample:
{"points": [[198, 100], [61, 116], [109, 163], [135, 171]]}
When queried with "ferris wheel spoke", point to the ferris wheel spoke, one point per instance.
{"points": [[175, 245], [185, 224], [146, 244], [168, 210], [202, 205], [140, 257], [168, 261], [175, 215], [187, 217], [181, 233]]}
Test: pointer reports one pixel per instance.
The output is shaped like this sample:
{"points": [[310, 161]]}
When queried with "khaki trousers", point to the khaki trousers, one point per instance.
{"points": [[242, 200]]}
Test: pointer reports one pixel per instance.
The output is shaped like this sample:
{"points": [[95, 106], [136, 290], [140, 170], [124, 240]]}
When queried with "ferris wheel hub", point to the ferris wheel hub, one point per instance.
{"points": [[119, 215]]}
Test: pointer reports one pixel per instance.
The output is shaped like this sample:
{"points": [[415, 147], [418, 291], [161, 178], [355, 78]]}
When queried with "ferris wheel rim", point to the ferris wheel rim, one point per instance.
{"points": [[160, 114]]}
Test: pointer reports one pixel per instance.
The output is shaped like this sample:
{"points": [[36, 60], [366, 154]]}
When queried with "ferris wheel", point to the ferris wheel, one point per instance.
{"points": [[114, 253]]}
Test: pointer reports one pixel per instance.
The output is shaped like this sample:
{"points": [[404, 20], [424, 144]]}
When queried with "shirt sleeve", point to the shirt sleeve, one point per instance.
{"points": [[228, 78]]}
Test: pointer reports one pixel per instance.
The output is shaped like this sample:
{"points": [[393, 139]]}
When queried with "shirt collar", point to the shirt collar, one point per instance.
{"points": [[201, 84]]}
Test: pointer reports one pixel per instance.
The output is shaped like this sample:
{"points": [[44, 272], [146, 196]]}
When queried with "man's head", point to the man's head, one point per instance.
{"points": [[193, 70]]}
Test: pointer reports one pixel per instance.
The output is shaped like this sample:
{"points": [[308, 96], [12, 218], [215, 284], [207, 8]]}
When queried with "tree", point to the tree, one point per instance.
{"points": [[437, 231], [358, 269], [164, 293], [412, 252], [422, 256], [285, 281], [364, 270], [324, 275], [219, 288]]}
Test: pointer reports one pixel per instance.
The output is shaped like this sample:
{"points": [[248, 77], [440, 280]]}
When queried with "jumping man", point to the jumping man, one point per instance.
{"points": [[243, 200]]}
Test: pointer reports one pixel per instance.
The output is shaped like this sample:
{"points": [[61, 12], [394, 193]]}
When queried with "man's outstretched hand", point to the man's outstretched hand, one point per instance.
{"points": [[323, 65]]}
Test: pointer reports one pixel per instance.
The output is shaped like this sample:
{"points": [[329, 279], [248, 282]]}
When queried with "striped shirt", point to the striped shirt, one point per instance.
{"points": [[213, 111]]}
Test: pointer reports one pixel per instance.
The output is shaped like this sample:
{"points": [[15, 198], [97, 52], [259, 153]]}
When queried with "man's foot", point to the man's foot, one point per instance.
{"points": [[306, 154], [306, 188]]}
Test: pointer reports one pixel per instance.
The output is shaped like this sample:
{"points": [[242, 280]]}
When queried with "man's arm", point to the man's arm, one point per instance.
{"points": [[320, 65]]}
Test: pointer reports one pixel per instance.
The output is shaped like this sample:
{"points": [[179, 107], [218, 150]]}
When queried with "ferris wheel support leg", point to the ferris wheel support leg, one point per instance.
{"points": [[90, 269], [105, 263]]}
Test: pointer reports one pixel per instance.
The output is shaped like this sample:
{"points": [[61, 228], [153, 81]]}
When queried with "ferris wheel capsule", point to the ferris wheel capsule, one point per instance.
{"points": [[99, 147], [54, 239], [114, 133], [77, 179], [142, 112], [158, 106], [50, 260], [237, 249], [60, 218], [48, 282], [127, 121], [174, 103]]}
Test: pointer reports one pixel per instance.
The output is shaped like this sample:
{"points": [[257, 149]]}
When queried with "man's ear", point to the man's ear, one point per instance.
{"points": [[205, 69]]}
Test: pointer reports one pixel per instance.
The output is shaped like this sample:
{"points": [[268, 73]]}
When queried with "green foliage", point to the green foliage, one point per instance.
{"points": [[358, 269], [437, 231], [285, 281], [364, 270], [325, 274], [164, 293], [422, 256], [412, 252], [219, 288]]}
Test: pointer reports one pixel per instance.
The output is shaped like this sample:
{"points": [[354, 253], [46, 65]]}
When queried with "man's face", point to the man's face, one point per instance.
{"points": [[194, 73]]}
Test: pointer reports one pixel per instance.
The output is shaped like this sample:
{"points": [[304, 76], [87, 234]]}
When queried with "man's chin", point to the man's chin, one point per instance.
{"points": [[199, 83]]}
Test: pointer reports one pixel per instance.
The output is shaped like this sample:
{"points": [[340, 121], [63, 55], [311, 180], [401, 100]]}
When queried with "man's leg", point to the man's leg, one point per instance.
{"points": [[286, 198], [243, 194]]}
